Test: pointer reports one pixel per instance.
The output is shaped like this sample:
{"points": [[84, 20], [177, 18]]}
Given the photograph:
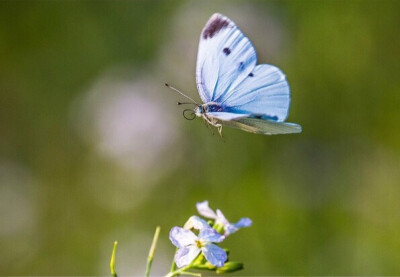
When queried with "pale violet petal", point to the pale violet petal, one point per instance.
{"points": [[185, 255], [204, 210], [243, 222], [210, 235], [214, 254], [232, 228], [196, 223], [181, 237], [221, 218]]}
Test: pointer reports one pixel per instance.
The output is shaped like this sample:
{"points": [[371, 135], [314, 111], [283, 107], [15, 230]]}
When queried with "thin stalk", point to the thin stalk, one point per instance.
{"points": [[152, 251], [112, 262], [191, 273], [173, 266]]}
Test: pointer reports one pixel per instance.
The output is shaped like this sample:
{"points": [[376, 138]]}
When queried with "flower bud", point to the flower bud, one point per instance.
{"points": [[230, 267], [219, 228]]}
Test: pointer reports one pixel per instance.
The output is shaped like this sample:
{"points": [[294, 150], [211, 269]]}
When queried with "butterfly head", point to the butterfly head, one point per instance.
{"points": [[199, 110]]}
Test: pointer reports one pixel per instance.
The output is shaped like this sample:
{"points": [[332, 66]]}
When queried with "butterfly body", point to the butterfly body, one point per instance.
{"points": [[203, 111], [237, 92], [208, 107]]}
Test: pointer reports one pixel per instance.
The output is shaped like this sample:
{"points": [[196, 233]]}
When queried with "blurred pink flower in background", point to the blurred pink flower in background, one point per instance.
{"points": [[128, 122]]}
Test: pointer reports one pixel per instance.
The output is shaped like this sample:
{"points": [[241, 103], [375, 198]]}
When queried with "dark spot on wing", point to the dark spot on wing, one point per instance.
{"points": [[215, 24], [241, 66], [251, 74], [226, 51], [264, 116]]}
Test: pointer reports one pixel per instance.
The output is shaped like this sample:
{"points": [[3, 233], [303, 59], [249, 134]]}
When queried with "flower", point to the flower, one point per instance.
{"points": [[196, 222], [191, 245], [220, 219]]}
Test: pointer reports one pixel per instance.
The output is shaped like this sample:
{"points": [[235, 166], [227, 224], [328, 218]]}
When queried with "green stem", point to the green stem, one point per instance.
{"points": [[112, 262], [191, 273], [152, 251], [173, 266], [177, 272]]}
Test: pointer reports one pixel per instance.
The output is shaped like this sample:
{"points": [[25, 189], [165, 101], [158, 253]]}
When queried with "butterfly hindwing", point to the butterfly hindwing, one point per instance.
{"points": [[256, 125], [268, 127], [225, 58]]}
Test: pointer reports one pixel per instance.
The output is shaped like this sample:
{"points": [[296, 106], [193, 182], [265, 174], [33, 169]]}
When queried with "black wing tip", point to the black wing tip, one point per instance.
{"points": [[216, 23]]}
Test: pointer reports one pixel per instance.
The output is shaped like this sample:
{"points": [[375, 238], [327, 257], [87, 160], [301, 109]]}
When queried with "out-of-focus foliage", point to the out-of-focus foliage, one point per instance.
{"points": [[75, 177]]}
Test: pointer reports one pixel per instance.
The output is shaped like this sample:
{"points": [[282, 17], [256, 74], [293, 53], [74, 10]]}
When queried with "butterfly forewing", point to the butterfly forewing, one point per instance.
{"points": [[265, 92], [225, 58]]}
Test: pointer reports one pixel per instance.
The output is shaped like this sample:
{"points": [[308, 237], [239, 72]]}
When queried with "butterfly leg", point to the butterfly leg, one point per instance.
{"points": [[208, 126], [213, 122], [219, 127], [210, 122]]}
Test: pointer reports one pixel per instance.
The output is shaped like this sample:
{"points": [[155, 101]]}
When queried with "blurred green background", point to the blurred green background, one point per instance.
{"points": [[94, 149]]}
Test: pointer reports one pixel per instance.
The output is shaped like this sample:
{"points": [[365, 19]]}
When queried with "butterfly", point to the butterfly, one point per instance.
{"points": [[235, 91]]}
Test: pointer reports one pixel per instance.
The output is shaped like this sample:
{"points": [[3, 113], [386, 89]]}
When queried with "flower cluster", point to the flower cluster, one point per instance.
{"points": [[196, 241], [196, 244]]}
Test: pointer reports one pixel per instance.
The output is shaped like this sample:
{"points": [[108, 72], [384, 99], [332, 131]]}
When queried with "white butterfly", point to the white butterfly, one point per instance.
{"points": [[235, 91]]}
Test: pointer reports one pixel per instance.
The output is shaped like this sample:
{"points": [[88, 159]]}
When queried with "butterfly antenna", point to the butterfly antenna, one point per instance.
{"points": [[176, 90]]}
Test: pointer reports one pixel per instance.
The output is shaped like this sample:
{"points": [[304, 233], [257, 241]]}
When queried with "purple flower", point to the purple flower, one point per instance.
{"points": [[195, 222], [220, 219], [189, 246]]}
